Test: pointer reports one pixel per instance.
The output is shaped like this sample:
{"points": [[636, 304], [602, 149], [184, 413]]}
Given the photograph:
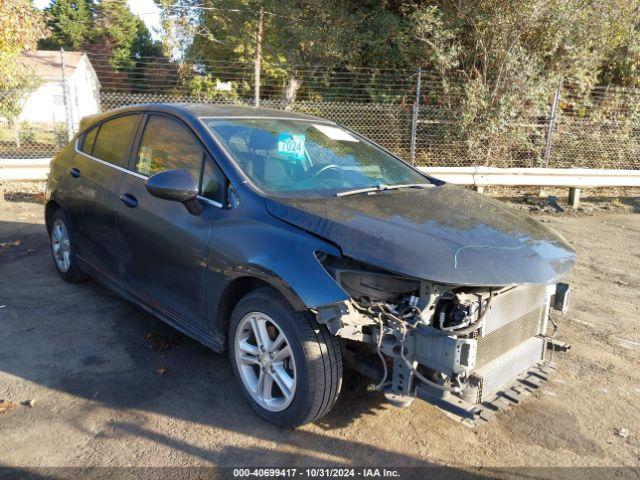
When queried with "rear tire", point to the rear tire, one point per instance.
{"points": [[311, 369], [63, 249]]}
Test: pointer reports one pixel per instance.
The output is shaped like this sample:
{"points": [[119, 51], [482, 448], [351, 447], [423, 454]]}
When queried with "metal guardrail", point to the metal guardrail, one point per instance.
{"points": [[543, 177], [573, 178], [24, 170], [479, 177]]}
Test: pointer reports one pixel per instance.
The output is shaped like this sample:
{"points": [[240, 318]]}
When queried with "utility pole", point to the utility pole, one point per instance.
{"points": [[258, 59], [414, 119], [552, 125], [65, 97]]}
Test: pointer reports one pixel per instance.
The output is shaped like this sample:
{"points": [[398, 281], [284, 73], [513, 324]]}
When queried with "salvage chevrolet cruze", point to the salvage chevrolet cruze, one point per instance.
{"points": [[298, 245]]}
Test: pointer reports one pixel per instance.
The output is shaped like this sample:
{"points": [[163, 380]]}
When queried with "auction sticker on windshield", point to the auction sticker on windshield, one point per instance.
{"points": [[335, 133], [291, 145]]}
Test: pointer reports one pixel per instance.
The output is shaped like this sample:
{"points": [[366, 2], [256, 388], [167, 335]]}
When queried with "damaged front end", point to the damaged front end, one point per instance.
{"points": [[459, 347]]}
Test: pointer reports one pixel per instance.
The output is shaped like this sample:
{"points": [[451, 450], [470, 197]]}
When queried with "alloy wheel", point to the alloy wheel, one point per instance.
{"points": [[61, 246], [265, 361]]}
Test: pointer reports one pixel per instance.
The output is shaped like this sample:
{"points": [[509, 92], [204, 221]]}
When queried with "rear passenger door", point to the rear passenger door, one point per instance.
{"points": [[164, 247], [94, 176]]}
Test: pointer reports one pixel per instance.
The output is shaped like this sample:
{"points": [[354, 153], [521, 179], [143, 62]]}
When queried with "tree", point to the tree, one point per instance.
{"points": [[120, 45], [70, 23], [150, 67], [500, 60], [143, 44], [116, 29], [622, 65], [494, 59], [20, 28], [295, 33]]}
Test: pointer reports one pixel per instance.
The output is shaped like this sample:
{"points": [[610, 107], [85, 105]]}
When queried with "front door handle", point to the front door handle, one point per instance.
{"points": [[75, 173], [129, 200]]}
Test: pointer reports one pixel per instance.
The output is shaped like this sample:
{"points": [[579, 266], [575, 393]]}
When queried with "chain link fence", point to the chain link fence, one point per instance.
{"points": [[31, 140], [386, 124], [418, 116]]}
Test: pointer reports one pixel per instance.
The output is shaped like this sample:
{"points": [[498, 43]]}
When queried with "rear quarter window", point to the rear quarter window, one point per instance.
{"points": [[88, 140], [114, 140]]}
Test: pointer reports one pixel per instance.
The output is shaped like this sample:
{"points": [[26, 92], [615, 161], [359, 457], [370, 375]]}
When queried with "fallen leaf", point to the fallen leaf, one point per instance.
{"points": [[162, 371], [7, 405], [29, 403], [15, 243]]}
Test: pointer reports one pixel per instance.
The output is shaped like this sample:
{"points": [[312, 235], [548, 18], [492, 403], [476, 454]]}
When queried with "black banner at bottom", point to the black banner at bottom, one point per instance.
{"points": [[284, 472]]}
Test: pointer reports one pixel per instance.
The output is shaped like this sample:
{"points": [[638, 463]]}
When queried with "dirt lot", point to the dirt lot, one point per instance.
{"points": [[90, 361]]}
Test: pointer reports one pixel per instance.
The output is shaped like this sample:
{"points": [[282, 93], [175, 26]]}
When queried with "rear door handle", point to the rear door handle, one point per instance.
{"points": [[75, 173], [129, 200]]}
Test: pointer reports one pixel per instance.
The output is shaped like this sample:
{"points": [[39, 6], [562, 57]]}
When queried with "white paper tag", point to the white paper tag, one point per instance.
{"points": [[336, 133]]}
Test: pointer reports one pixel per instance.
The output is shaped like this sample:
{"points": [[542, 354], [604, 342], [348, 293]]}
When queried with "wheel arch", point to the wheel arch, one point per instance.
{"points": [[231, 295], [239, 287], [50, 208]]}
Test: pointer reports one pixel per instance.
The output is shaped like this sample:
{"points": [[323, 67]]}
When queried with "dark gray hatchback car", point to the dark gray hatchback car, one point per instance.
{"points": [[298, 245]]}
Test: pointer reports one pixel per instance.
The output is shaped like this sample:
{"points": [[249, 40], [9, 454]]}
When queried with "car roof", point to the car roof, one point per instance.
{"points": [[204, 110]]}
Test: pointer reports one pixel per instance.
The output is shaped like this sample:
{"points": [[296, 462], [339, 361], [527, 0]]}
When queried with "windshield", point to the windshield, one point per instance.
{"points": [[298, 157]]}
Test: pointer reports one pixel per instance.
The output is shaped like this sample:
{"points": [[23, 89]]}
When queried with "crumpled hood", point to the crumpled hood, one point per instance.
{"points": [[445, 234]]}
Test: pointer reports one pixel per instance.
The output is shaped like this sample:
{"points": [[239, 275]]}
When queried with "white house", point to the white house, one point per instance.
{"points": [[46, 104]]}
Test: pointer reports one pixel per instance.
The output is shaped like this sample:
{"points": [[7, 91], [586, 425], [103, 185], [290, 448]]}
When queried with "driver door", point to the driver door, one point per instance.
{"points": [[164, 247]]}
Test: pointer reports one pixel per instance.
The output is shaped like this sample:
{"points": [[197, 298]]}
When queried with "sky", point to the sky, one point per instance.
{"points": [[146, 9]]}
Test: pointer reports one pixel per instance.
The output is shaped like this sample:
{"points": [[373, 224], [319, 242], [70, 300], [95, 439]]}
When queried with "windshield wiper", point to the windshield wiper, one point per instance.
{"points": [[382, 187]]}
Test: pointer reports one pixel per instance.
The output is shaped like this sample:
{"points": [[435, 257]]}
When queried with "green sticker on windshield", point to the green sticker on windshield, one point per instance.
{"points": [[291, 145]]}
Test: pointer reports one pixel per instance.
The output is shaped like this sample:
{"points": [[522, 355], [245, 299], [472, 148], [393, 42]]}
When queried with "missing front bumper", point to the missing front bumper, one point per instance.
{"points": [[509, 345], [467, 373]]}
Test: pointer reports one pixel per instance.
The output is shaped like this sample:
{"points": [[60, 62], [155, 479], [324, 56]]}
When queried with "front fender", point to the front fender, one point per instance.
{"points": [[277, 253]]}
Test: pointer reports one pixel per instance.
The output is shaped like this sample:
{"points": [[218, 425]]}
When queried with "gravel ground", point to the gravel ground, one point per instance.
{"points": [[113, 386]]}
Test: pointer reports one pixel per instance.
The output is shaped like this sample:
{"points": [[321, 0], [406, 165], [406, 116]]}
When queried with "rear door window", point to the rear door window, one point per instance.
{"points": [[167, 144], [114, 140]]}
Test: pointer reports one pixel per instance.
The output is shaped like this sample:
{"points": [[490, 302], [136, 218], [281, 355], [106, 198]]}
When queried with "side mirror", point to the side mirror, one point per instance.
{"points": [[177, 186]]}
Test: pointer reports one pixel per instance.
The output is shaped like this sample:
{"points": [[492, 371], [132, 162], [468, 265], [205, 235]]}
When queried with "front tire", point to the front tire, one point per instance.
{"points": [[63, 249], [288, 366]]}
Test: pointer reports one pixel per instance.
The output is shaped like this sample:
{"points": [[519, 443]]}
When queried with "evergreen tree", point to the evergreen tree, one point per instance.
{"points": [[143, 44], [116, 29], [150, 67], [121, 36], [70, 24]]}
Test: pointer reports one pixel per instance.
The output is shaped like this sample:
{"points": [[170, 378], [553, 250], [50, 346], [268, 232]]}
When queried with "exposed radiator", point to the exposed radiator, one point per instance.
{"points": [[513, 304], [506, 368], [509, 341], [508, 336]]}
